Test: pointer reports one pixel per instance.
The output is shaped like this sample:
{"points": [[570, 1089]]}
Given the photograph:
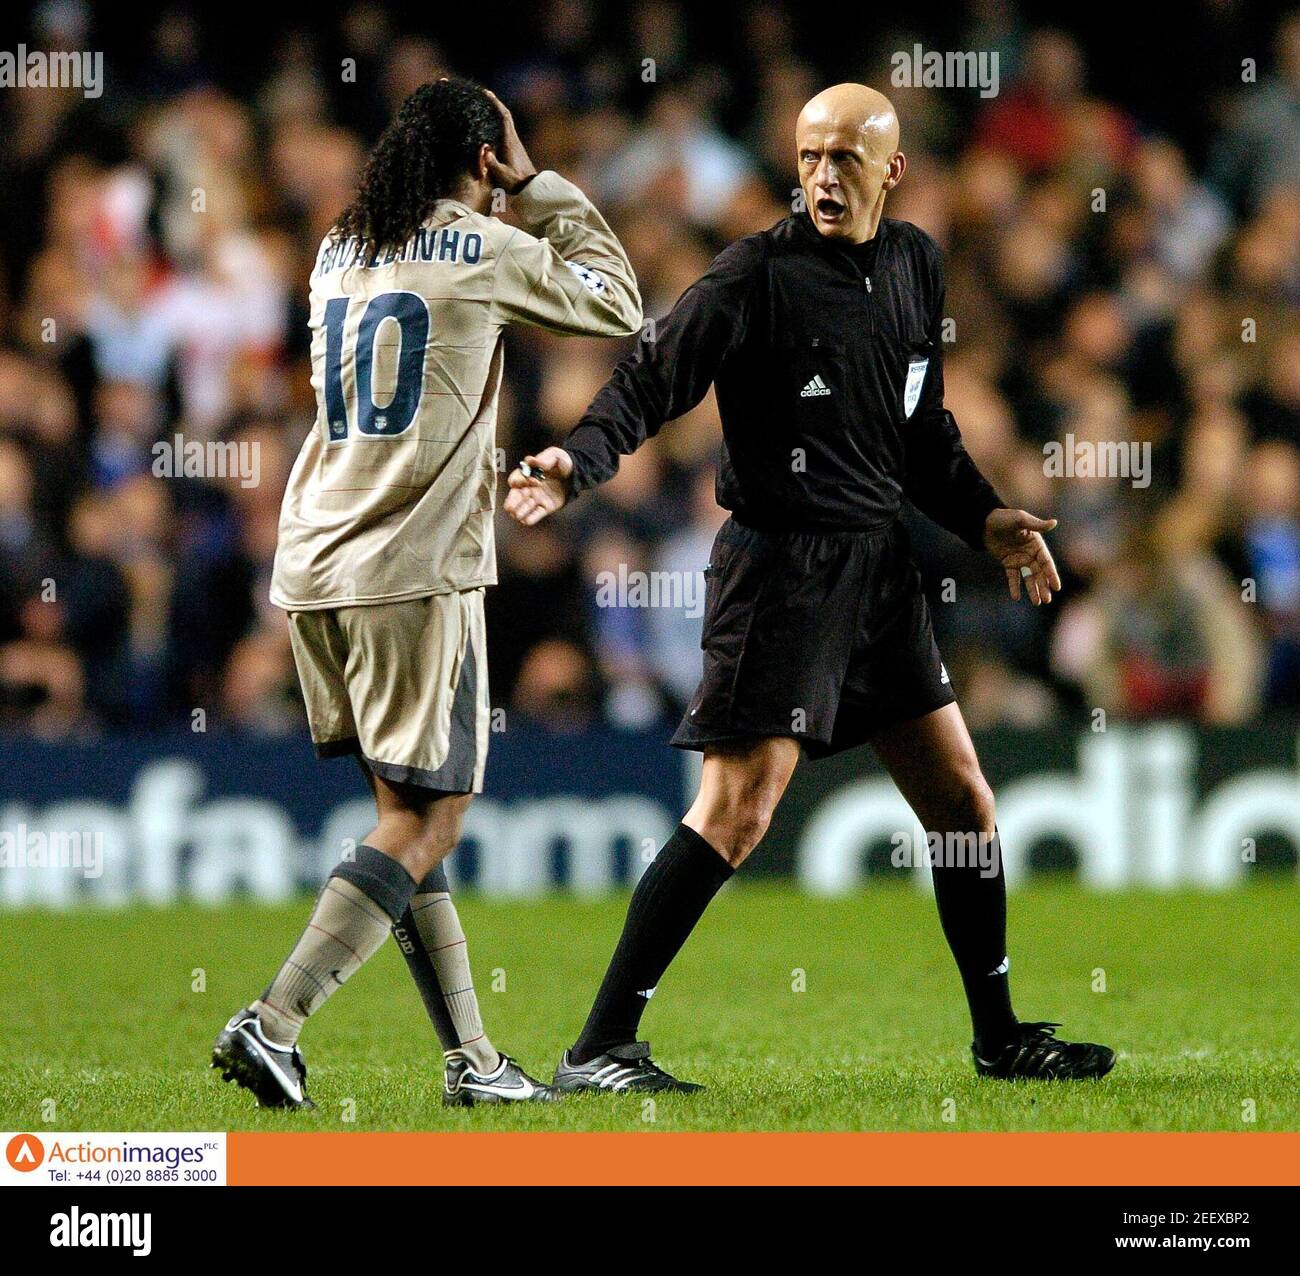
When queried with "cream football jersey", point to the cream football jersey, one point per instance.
{"points": [[393, 492]]}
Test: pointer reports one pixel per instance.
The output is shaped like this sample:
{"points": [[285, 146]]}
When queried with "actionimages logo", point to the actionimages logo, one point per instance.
{"points": [[24, 1152]]}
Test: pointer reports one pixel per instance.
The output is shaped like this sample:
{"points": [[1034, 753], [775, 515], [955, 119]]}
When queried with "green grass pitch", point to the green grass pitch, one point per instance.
{"points": [[1200, 1001]]}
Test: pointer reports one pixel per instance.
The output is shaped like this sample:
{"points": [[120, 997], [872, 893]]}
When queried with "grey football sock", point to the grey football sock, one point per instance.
{"points": [[348, 926], [439, 961]]}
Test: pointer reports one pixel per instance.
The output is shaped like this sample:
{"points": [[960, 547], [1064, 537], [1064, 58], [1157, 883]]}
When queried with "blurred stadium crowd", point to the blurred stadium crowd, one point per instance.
{"points": [[153, 264]]}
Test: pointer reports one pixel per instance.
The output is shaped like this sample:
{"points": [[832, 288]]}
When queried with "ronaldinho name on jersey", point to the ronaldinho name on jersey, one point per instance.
{"points": [[427, 244]]}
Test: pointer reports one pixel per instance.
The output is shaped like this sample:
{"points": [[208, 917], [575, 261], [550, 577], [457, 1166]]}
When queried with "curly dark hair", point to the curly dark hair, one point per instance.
{"points": [[431, 143]]}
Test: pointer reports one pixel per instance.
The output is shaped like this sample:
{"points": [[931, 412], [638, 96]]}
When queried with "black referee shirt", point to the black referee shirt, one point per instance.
{"points": [[812, 346]]}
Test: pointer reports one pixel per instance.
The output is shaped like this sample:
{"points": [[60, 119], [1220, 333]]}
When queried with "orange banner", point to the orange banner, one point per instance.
{"points": [[702, 1160]]}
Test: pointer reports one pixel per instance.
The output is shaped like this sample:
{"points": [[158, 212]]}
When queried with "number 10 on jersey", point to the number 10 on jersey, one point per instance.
{"points": [[411, 316]]}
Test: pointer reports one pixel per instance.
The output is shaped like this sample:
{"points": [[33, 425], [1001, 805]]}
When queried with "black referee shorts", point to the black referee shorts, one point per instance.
{"points": [[821, 636]]}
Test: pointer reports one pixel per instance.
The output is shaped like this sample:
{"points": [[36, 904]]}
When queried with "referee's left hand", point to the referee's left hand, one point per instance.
{"points": [[1015, 539]]}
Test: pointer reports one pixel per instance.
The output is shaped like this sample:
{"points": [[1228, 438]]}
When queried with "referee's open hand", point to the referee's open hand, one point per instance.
{"points": [[532, 498], [1015, 539]]}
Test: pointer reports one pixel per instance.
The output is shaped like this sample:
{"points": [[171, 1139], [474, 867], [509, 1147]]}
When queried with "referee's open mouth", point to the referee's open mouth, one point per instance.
{"points": [[830, 211]]}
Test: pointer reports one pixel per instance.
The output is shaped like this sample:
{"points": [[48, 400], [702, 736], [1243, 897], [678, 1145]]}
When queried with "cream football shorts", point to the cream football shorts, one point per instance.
{"points": [[403, 684]]}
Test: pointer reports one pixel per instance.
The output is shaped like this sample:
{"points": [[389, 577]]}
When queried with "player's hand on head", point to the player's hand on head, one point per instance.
{"points": [[1015, 539], [509, 167], [532, 498]]}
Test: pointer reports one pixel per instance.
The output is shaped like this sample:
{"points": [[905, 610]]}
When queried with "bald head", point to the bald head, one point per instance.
{"points": [[853, 108], [847, 141]]}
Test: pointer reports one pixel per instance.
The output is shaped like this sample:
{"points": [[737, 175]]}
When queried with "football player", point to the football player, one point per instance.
{"points": [[386, 544]]}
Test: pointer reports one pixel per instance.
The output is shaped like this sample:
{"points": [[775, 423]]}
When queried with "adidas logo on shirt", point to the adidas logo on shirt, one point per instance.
{"points": [[814, 387]]}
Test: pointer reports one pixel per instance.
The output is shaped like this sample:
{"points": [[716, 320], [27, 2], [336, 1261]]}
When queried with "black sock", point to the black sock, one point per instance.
{"points": [[668, 902], [973, 913]]}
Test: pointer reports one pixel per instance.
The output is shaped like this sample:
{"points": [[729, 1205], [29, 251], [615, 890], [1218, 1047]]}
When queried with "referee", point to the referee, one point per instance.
{"points": [[821, 337]]}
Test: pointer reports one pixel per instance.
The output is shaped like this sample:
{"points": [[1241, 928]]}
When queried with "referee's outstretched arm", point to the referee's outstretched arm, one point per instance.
{"points": [[669, 372]]}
